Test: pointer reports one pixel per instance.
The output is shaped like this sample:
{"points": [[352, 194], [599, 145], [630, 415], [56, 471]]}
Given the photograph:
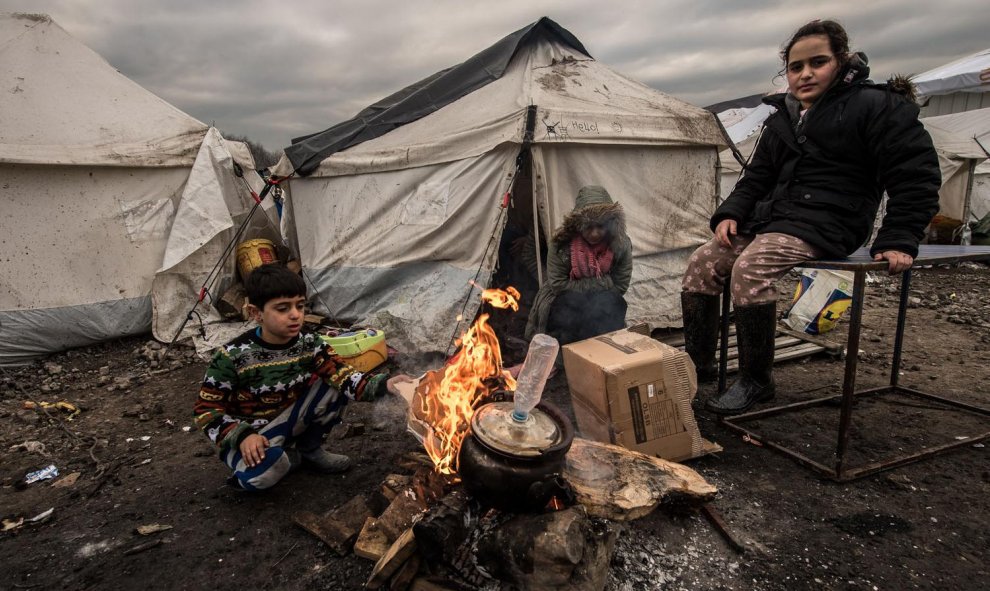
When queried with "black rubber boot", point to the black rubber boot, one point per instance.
{"points": [[701, 316], [756, 327]]}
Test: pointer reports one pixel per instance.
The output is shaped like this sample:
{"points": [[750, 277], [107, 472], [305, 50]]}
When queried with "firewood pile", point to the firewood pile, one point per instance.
{"points": [[426, 533]]}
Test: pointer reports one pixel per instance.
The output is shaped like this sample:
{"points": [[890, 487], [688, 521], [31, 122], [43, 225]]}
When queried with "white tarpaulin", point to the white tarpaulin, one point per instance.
{"points": [[215, 202]]}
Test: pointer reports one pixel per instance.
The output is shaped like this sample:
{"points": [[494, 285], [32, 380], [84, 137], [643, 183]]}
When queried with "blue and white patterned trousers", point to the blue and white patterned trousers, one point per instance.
{"points": [[305, 422]]}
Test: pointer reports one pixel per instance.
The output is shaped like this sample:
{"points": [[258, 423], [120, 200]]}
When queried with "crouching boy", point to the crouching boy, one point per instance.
{"points": [[271, 395]]}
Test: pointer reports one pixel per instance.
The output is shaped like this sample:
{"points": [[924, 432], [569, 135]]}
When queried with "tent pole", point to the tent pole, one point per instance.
{"points": [[536, 241], [967, 236], [732, 146]]}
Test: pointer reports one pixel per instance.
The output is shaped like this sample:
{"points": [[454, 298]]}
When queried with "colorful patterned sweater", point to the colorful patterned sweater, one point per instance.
{"points": [[249, 382]]}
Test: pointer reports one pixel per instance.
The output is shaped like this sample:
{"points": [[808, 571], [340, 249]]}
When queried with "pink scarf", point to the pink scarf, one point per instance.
{"points": [[590, 260]]}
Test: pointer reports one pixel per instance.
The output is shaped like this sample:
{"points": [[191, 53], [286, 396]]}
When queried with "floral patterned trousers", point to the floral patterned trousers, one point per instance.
{"points": [[755, 263]]}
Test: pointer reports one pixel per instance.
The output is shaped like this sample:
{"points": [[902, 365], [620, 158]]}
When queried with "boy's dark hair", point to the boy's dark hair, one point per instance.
{"points": [[271, 281]]}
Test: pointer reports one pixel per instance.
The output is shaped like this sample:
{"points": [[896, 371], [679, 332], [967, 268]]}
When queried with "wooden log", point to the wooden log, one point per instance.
{"points": [[400, 551], [394, 484], [602, 536], [557, 550], [429, 485], [433, 584], [402, 580], [414, 460], [371, 543], [444, 528], [398, 517], [620, 484]]}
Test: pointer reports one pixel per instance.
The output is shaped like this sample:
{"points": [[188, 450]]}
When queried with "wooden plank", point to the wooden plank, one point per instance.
{"points": [[394, 484], [399, 515], [779, 344], [677, 340], [795, 352], [829, 346], [371, 543], [337, 528], [788, 345], [392, 561], [333, 533], [314, 319], [402, 580]]}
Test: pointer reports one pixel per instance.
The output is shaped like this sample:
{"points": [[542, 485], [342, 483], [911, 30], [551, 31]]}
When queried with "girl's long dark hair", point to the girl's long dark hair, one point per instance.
{"points": [[838, 41]]}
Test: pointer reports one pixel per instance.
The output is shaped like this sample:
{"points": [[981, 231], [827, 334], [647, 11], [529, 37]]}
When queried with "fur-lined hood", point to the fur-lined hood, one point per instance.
{"points": [[902, 85], [594, 207]]}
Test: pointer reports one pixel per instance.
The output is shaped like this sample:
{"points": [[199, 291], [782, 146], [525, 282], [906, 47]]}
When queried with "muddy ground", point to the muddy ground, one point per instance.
{"points": [[922, 526]]}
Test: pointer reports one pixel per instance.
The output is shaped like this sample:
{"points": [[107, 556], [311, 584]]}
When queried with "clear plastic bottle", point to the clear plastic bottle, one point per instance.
{"points": [[533, 377]]}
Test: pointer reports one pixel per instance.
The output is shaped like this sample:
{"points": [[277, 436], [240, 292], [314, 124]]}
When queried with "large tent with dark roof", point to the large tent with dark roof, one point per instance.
{"points": [[395, 211]]}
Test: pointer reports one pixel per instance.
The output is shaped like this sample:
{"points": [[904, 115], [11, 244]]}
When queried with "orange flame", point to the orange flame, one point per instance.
{"points": [[449, 406]]}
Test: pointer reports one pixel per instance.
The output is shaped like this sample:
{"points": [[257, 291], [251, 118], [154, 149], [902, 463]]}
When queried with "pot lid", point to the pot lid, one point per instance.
{"points": [[494, 426]]}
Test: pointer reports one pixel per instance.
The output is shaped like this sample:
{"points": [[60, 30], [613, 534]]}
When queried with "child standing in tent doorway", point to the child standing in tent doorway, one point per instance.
{"points": [[836, 142], [589, 266], [271, 394]]}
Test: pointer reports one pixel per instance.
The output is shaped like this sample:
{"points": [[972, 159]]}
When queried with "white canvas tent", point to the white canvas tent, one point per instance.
{"points": [[401, 204], [955, 87], [970, 147], [92, 166]]}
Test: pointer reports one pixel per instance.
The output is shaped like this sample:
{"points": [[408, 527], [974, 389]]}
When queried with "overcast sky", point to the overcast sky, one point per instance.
{"points": [[275, 70]]}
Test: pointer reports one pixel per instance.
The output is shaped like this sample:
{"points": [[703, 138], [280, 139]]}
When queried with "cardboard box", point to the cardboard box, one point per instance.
{"points": [[631, 390]]}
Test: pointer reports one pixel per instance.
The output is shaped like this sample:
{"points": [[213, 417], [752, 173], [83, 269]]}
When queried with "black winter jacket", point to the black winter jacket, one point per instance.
{"points": [[823, 183]]}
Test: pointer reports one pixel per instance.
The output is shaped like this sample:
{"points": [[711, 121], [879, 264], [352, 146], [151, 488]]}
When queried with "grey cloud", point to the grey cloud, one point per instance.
{"points": [[273, 71]]}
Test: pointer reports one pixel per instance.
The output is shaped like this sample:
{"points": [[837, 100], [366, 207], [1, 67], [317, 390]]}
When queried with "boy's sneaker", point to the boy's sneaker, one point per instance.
{"points": [[326, 462]]}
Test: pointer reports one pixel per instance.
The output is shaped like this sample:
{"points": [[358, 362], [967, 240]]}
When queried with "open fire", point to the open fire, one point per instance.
{"points": [[448, 402]]}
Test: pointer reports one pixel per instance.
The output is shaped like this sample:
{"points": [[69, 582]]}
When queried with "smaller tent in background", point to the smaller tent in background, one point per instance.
{"points": [[92, 168], [968, 135], [962, 85]]}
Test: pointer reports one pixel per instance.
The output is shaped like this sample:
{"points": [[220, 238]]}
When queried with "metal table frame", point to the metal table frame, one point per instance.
{"points": [[859, 263]]}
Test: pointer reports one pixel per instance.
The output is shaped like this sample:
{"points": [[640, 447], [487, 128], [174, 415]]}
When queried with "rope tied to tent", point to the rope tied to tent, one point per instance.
{"points": [[214, 273]]}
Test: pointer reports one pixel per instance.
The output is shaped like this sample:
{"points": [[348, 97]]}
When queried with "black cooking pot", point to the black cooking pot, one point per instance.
{"points": [[518, 482]]}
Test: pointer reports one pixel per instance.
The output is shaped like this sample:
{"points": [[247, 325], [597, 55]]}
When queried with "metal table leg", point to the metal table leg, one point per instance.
{"points": [[852, 361], [847, 399], [895, 369]]}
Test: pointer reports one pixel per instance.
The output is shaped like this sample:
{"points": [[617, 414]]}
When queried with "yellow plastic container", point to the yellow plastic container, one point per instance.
{"points": [[253, 254], [363, 350]]}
